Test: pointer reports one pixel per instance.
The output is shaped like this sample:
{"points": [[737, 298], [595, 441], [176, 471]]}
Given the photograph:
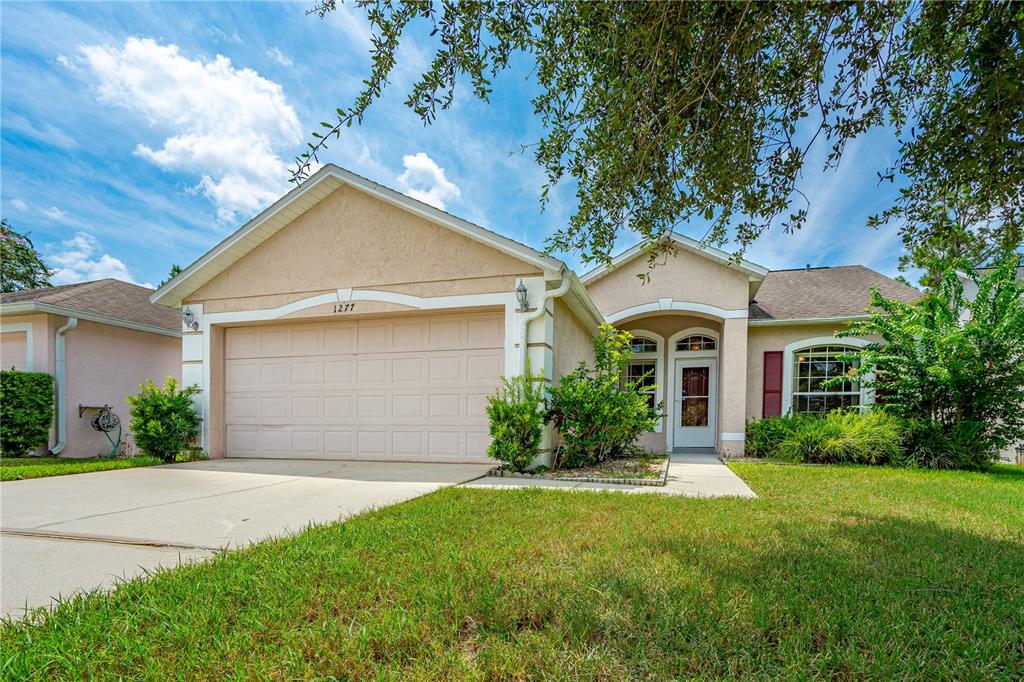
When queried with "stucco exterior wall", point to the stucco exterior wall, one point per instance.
{"points": [[572, 342], [352, 240], [665, 326], [105, 364], [42, 340], [775, 338], [682, 277]]}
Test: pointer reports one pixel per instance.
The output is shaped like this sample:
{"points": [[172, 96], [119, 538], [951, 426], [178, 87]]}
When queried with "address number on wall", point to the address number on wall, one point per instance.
{"points": [[344, 307]]}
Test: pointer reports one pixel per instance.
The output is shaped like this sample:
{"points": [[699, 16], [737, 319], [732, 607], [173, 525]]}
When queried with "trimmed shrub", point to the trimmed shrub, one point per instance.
{"points": [[164, 420], [516, 415], [598, 414], [26, 411]]}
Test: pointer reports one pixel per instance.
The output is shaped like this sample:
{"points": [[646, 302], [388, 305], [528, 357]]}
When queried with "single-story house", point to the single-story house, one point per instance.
{"points": [[100, 340], [349, 321]]}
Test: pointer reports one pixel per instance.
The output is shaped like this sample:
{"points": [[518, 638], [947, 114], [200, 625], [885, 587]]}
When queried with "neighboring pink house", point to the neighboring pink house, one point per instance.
{"points": [[100, 340]]}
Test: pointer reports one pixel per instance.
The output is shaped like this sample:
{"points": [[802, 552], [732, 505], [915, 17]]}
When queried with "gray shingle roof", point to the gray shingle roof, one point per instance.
{"points": [[110, 297], [839, 292]]}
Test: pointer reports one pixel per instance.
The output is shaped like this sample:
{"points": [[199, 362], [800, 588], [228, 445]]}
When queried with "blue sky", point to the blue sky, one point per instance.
{"points": [[138, 135]]}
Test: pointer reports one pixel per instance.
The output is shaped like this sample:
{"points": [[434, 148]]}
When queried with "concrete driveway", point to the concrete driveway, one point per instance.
{"points": [[74, 533]]}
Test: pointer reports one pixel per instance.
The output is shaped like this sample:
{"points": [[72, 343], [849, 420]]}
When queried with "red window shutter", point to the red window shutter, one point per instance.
{"points": [[772, 383]]}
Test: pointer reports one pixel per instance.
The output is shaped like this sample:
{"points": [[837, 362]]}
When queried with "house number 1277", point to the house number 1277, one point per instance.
{"points": [[344, 307]]}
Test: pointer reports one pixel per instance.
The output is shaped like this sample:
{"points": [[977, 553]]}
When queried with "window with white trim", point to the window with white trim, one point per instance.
{"points": [[812, 367], [696, 342], [643, 345], [643, 367]]}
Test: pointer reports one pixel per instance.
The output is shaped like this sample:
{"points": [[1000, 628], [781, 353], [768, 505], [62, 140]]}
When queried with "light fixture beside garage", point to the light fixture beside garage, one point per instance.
{"points": [[524, 303], [189, 318]]}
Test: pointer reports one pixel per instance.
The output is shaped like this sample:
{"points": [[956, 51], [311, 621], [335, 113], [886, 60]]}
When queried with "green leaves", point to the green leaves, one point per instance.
{"points": [[598, 414], [950, 358], [516, 414], [164, 420], [26, 411], [663, 113], [21, 266]]}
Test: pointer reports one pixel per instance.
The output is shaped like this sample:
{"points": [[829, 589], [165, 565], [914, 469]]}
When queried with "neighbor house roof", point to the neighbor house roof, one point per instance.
{"points": [[810, 294], [305, 196], [109, 301]]}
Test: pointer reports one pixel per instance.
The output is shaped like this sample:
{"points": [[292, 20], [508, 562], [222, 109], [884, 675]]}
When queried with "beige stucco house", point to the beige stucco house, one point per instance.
{"points": [[348, 321], [99, 340]]}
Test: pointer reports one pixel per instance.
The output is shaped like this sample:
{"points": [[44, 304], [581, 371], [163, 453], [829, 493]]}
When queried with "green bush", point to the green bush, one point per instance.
{"points": [[599, 415], [516, 415], [874, 437], [962, 445], [764, 435], [164, 420], [26, 411]]}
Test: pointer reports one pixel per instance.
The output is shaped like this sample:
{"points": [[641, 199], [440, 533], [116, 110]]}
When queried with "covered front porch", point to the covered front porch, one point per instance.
{"points": [[696, 365]]}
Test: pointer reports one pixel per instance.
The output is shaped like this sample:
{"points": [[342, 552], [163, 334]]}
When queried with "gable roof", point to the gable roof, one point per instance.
{"points": [[109, 301], [807, 294], [305, 196], [754, 272]]}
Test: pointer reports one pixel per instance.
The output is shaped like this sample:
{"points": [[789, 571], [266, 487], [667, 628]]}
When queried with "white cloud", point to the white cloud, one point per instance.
{"points": [[73, 261], [227, 124], [54, 213], [19, 204], [39, 131], [423, 179], [280, 57]]}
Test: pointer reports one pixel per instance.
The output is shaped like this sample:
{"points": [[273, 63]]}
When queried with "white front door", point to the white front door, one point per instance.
{"points": [[694, 405]]}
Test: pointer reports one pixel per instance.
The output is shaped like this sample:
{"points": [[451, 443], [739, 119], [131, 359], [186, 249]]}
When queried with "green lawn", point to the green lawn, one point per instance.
{"points": [[17, 468], [842, 572]]}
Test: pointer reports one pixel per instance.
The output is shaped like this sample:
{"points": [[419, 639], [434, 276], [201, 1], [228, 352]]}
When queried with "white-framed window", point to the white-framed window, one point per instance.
{"points": [[645, 365], [642, 344], [696, 342], [644, 372], [812, 367]]}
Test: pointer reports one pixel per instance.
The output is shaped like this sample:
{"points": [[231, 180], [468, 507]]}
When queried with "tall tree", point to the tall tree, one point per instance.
{"points": [[21, 266], [663, 112]]}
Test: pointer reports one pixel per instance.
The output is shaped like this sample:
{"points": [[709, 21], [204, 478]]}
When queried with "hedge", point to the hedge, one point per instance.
{"points": [[26, 411]]}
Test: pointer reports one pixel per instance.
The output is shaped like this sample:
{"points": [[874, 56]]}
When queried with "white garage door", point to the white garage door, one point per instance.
{"points": [[402, 388]]}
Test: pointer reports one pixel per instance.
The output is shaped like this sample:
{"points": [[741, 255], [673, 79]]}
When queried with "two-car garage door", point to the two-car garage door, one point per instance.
{"points": [[402, 388]]}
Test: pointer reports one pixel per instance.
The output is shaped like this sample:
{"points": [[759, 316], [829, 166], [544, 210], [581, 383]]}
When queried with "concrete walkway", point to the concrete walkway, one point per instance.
{"points": [[689, 474], [75, 533]]}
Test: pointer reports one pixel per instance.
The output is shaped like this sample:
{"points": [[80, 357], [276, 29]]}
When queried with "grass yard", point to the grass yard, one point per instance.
{"points": [[18, 468], [834, 572]]}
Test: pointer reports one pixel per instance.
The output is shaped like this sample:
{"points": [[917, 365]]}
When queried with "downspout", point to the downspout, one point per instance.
{"points": [[62, 371], [541, 308]]}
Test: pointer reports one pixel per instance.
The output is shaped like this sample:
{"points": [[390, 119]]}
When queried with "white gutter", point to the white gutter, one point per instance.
{"points": [[28, 307], [541, 309], [62, 371]]}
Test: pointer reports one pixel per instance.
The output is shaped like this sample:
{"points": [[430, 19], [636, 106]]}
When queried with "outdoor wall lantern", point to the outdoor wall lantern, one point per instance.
{"points": [[524, 304], [189, 318]]}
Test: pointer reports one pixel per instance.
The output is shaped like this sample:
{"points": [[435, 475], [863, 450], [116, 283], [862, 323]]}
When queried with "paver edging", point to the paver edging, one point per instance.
{"points": [[660, 481]]}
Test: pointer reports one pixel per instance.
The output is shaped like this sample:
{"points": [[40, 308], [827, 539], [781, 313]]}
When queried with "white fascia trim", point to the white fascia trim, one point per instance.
{"points": [[164, 296], [667, 304], [806, 320], [753, 270], [506, 299], [22, 327], [27, 307], [866, 397]]}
